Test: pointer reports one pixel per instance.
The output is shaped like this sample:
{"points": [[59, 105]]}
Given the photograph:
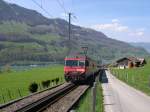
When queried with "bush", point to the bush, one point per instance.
{"points": [[53, 80], [33, 87], [46, 83], [57, 80]]}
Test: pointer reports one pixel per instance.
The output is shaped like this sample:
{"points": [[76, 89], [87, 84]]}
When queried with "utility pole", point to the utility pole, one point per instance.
{"points": [[69, 34], [69, 25]]}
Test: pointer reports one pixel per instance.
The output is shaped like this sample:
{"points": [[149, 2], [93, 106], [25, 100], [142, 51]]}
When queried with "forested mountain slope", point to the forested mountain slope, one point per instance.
{"points": [[28, 36]]}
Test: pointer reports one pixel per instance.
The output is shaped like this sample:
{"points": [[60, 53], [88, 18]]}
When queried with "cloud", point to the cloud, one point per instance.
{"points": [[115, 21], [138, 33], [114, 26]]}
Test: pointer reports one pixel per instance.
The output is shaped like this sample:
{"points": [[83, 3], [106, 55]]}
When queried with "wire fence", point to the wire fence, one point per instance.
{"points": [[10, 94], [134, 79]]}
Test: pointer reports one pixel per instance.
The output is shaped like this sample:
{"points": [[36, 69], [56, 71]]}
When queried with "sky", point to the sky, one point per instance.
{"points": [[125, 20]]}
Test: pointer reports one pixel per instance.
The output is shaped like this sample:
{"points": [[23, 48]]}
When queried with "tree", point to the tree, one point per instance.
{"points": [[33, 87]]}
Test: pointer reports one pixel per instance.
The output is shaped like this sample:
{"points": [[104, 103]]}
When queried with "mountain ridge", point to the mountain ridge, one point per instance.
{"points": [[26, 35], [145, 45]]}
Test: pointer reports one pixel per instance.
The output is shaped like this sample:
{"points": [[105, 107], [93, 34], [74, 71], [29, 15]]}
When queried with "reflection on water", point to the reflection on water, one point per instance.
{"points": [[28, 67]]}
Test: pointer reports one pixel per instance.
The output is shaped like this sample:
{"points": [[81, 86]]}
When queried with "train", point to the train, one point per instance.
{"points": [[80, 69]]}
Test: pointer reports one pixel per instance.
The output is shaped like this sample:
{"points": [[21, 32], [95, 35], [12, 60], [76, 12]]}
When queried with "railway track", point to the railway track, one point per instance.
{"points": [[17, 104], [62, 97], [65, 103]]}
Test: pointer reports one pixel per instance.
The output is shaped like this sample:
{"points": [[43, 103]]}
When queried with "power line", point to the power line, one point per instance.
{"points": [[69, 34], [62, 6], [69, 25], [16, 13], [42, 8], [41, 3], [72, 6]]}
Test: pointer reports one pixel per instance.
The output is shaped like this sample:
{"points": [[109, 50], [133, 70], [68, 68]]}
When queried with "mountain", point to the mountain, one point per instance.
{"points": [[144, 45], [26, 36]]}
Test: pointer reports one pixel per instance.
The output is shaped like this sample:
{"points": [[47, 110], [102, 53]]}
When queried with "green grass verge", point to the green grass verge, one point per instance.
{"points": [[138, 78], [15, 81], [85, 104]]}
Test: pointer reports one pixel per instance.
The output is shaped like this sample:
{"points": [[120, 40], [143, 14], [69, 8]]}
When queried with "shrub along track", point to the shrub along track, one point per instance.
{"points": [[17, 104], [59, 99]]}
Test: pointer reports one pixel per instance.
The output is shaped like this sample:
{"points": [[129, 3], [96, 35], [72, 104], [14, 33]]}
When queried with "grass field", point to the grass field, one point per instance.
{"points": [[15, 84], [85, 105], [137, 77]]}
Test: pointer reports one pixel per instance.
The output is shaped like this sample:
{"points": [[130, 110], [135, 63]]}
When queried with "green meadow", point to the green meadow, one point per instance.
{"points": [[86, 101], [15, 84], [138, 78]]}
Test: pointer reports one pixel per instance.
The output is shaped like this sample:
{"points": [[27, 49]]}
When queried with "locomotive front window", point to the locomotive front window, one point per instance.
{"points": [[81, 63], [71, 63]]}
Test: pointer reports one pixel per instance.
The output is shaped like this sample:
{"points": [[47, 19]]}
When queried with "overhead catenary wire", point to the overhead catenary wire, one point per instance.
{"points": [[65, 11], [50, 15], [16, 13], [62, 6], [71, 15], [16, 16], [40, 5]]}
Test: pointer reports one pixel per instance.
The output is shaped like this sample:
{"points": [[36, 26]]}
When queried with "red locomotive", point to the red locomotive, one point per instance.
{"points": [[79, 68]]}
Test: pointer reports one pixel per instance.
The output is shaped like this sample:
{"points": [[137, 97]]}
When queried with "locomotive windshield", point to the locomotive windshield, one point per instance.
{"points": [[74, 63], [81, 63], [71, 62]]}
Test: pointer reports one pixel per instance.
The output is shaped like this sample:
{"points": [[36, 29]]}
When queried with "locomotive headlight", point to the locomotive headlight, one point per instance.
{"points": [[80, 70]]}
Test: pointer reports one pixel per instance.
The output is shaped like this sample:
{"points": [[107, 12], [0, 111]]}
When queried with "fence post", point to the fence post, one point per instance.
{"points": [[149, 81], [3, 98], [40, 87], [133, 79], [19, 92], [9, 94], [62, 79], [94, 97], [127, 77]]}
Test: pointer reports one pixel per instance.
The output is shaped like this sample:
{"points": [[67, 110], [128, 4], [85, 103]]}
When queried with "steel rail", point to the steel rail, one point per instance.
{"points": [[38, 105], [67, 102], [17, 100]]}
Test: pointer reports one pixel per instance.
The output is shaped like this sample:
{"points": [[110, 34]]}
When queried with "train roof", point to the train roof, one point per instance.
{"points": [[77, 58]]}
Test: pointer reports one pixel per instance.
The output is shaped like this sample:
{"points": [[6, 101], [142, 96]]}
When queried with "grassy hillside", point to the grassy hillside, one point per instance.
{"points": [[137, 77], [26, 35], [18, 42]]}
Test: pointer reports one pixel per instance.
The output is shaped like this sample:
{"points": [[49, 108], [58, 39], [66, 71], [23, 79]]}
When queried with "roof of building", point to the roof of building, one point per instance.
{"points": [[133, 59]]}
